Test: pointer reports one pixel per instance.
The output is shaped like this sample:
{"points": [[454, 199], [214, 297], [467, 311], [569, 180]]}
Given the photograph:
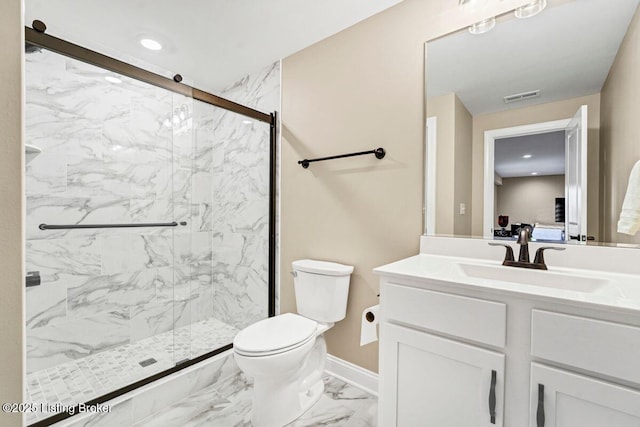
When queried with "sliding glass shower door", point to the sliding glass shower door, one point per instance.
{"points": [[147, 229]]}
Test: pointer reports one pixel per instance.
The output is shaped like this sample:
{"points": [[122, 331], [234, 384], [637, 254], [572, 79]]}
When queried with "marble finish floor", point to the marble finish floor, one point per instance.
{"points": [[228, 404], [84, 379]]}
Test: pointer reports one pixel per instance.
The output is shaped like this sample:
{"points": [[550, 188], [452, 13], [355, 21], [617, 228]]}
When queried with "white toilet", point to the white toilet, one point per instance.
{"points": [[285, 354]]}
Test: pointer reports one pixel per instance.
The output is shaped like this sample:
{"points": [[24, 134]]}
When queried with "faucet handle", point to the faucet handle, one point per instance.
{"points": [[539, 259], [508, 256]]}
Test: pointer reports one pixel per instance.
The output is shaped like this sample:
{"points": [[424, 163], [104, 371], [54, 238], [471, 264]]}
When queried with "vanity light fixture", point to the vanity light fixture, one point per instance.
{"points": [[483, 26], [534, 173], [150, 44], [112, 79], [527, 156], [472, 5], [530, 9]]}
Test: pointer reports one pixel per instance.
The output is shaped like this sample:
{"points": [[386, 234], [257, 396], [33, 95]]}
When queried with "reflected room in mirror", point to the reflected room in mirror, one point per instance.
{"points": [[534, 123]]}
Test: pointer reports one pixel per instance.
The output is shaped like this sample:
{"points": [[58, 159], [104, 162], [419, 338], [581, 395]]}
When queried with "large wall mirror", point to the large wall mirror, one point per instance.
{"points": [[535, 122]]}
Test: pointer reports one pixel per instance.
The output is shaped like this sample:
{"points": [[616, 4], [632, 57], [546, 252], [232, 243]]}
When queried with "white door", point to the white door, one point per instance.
{"points": [[563, 399], [430, 381], [576, 177]]}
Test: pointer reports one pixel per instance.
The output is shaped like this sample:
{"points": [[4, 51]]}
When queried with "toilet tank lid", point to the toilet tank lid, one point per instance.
{"points": [[322, 267]]}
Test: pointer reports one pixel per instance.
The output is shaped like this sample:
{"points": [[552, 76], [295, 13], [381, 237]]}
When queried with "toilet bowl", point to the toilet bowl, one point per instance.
{"points": [[285, 354]]}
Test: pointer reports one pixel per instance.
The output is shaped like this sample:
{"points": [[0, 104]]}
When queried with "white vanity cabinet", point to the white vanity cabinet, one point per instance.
{"points": [[423, 372], [462, 356], [562, 398], [430, 380]]}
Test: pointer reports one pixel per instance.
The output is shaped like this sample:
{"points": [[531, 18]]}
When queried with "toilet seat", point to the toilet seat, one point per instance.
{"points": [[275, 335]]}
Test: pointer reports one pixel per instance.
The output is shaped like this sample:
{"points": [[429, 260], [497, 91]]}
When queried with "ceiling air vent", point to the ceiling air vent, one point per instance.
{"points": [[521, 96]]}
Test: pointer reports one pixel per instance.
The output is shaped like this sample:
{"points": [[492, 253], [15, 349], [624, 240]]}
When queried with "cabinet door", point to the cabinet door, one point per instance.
{"points": [[563, 399], [430, 381]]}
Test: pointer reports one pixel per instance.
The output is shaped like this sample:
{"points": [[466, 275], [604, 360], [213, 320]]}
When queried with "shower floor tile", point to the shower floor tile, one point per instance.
{"points": [[228, 404], [93, 376]]}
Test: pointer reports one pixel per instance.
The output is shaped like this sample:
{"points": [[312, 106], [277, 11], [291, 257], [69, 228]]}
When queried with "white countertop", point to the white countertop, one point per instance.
{"points": [[607, 290]]}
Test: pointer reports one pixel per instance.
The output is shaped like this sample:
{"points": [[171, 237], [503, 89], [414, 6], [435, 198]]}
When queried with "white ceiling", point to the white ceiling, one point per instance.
{"points": [[566, 51], [211, 43], [546, 150]]}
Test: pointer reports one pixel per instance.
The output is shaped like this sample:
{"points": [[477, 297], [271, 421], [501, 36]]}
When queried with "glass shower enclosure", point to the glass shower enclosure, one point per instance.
{"points": [[149, 224]]}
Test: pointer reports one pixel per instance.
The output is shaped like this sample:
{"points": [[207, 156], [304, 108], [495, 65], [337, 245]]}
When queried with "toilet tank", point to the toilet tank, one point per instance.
{"points": [[321, 289]]}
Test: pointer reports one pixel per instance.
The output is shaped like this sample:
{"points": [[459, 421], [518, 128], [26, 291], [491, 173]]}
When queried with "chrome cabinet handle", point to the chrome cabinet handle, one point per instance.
{"points": [[540, 411], [492, 397]]}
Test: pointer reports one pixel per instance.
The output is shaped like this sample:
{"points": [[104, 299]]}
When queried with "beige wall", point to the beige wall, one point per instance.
{"points": [[443, 108], [529, 199], [620, 130], [360, 89], [541, 113], [11, 208], [463, 157], [453, 138]]}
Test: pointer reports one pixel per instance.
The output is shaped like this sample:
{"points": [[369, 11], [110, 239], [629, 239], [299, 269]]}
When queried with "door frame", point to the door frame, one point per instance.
{"points": [[490, 137]]}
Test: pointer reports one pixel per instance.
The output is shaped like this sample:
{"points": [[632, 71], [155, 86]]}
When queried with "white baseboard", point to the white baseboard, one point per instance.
{"points": [[352, 374]]}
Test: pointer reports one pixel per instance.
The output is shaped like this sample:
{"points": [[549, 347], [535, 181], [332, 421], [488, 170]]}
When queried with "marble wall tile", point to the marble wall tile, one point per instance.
{"points": [[151, 319], [159, 209], [110, 292], [46, 173], [217, 371], [228, 246], [240, 295], [202, 187], [190, 284], [260, 90], [255, 251], [58, 133], [202, 289], [202, 217], [109, 157], [62, 259], [52, 345], [46, 209], [47, 305], [121, 414], [134, 252], [173, 283], [192, 247]]}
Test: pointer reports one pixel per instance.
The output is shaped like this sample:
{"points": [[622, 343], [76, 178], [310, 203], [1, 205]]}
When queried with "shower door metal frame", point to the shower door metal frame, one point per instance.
{"points": [[83, 54]]}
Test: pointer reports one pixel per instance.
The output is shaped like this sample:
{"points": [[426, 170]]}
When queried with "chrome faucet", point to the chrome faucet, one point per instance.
{"points": [[523, 257]]}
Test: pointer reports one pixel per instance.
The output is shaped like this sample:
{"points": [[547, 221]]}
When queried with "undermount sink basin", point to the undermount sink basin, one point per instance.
{"points": [[542, 278]]}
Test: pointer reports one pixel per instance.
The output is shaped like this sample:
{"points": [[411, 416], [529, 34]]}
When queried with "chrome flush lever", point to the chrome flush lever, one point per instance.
{"points": [[294, 273]]}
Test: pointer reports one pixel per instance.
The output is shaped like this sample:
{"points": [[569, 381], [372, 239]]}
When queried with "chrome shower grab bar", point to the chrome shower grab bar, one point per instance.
{"points": [[85, 226]]}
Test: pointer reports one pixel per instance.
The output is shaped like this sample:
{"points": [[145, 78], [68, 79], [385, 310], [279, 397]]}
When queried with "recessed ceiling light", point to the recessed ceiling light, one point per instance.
{"points": [[530, 9], [247, 122], [527, 156], [112, 79], [534, 173], [150, 44], [483, 26]]}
